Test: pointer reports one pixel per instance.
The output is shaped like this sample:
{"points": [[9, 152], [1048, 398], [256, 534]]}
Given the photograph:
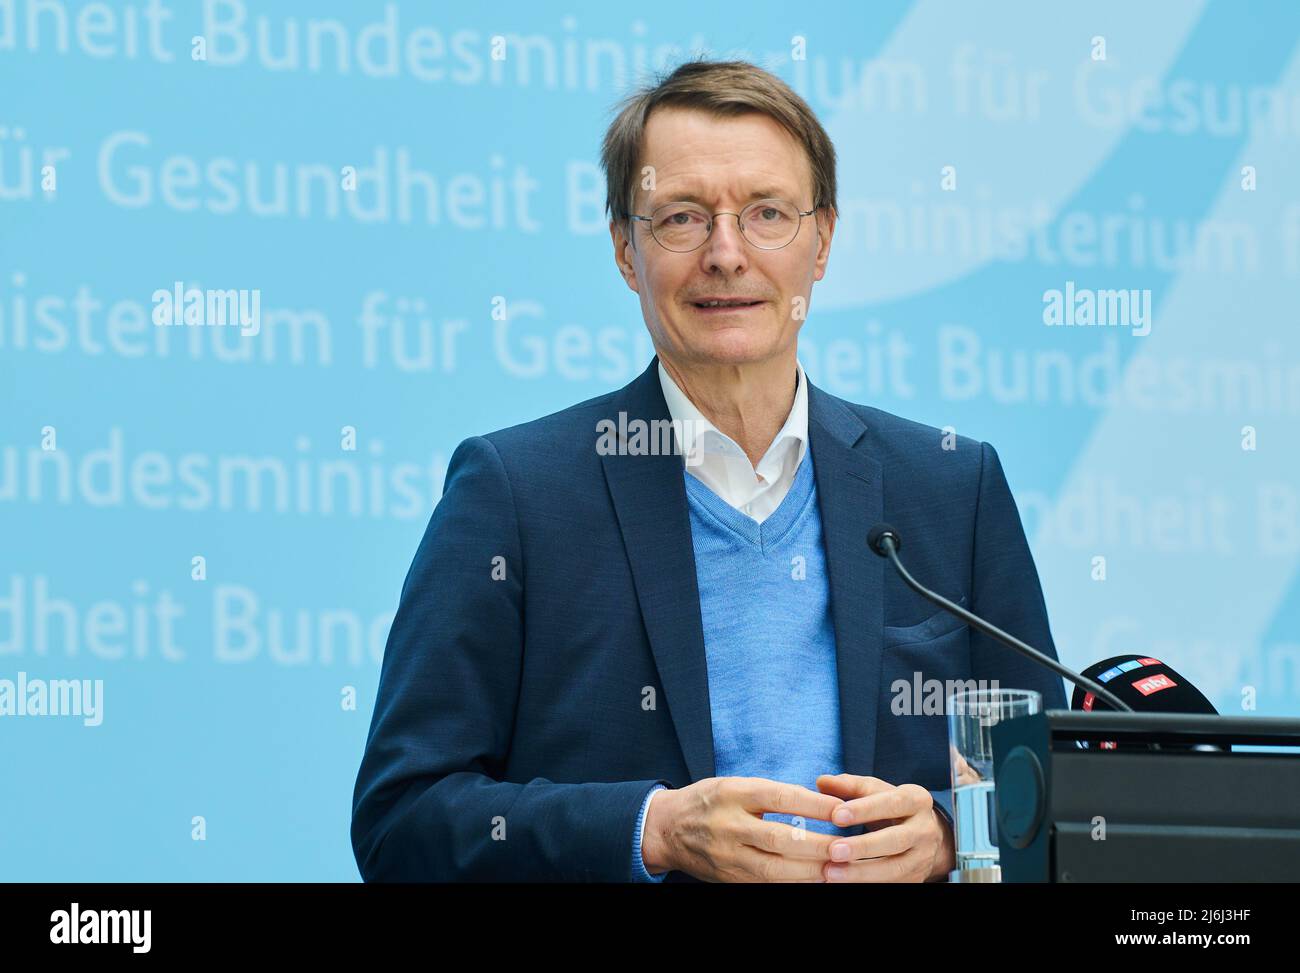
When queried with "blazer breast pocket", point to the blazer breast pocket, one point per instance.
{"points": [[919, 664], [939, 624]]}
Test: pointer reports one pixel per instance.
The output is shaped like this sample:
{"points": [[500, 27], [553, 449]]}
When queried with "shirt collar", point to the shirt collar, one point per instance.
{"points": [[694, 429]]}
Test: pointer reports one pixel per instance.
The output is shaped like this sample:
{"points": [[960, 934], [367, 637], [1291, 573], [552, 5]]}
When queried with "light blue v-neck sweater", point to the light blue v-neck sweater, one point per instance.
{"points": [[769, 642]]}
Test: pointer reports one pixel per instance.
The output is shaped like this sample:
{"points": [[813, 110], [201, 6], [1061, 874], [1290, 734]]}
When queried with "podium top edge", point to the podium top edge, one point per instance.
{"points": [[1203, 727]]}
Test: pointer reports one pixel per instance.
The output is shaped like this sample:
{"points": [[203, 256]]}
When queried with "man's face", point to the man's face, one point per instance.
{"points": [[724, 164]]}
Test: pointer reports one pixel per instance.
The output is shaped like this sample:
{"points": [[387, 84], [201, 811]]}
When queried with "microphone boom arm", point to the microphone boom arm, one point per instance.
{"points": [[886, 543]]}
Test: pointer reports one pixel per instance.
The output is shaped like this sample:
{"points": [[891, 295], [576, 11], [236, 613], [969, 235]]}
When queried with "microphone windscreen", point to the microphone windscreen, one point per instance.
{"points": [[1144, 683]]}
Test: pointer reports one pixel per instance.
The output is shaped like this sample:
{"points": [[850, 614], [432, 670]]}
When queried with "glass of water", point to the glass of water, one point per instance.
{"points": [[972, 714]]}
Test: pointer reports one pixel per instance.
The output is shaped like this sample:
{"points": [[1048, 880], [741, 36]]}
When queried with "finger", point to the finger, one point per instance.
{"points": [[763, 796], [910, 866], [755, 865], [786, 839], [851, 785], [881, 843], [901, 802]]}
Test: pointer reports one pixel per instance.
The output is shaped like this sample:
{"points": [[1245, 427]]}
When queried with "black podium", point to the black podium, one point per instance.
{"points": [[1188, 809]]}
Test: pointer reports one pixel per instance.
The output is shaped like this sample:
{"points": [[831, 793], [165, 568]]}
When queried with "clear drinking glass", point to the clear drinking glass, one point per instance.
{"points": [[971, 716]]}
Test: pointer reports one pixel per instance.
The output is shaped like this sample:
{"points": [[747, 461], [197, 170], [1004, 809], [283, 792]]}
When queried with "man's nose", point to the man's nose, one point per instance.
{"points": [[725, 248]]}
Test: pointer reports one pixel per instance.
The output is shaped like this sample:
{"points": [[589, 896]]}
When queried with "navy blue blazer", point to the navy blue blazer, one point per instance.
{"points": [[546, 664]]}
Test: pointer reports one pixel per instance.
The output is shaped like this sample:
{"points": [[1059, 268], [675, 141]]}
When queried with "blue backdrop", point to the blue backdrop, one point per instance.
{"points": [[216, 523]]}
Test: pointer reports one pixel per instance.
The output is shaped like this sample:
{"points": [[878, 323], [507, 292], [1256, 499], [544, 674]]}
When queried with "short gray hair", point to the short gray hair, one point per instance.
{"points": [[724, 88]]}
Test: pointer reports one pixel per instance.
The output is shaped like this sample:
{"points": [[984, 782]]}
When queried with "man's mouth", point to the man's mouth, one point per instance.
{"points": [[724, 304]]}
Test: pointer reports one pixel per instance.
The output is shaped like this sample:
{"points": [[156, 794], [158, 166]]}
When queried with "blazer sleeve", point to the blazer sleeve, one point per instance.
{"points": [[430, 803], [1007, 592]]}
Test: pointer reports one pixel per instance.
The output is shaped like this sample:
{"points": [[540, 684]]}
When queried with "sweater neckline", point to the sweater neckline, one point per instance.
{"points": [[776, 525]]}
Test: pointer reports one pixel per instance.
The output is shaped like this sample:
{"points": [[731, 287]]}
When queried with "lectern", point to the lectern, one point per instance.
{"points": [[1147, 797]]}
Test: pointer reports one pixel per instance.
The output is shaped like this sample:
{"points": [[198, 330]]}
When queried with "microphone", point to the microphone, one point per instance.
{"points": [[1146, 685], [884, 541]]}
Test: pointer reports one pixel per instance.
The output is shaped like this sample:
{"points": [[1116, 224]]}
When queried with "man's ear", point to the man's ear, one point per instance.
{"points": [[825, 217], [624, 248]]}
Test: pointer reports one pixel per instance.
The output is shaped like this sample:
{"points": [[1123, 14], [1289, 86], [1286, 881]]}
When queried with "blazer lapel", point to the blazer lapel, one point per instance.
{"points": [[649, 496], [851, 499]]}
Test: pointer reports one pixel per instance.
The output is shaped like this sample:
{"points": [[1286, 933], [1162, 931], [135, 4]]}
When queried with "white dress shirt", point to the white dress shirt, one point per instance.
{"points": [[720, 464]]}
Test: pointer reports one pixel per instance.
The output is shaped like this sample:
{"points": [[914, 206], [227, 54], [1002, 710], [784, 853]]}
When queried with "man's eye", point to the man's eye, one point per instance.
{"points": [[680, 217]]}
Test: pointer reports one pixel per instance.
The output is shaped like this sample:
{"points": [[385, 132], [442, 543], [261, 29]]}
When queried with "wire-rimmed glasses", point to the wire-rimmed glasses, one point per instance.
{"points": [[768, 224]]}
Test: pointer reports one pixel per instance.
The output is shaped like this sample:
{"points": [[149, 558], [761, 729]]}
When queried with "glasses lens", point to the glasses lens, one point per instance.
{"points": [[769, 223], [679, 226]]}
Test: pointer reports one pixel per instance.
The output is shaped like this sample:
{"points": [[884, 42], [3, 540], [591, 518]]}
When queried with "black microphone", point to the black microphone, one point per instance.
{"points": [[1148, 686], [884, 540]]}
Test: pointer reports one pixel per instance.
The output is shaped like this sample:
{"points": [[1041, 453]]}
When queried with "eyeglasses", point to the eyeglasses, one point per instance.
{"points": [[768, 224]]}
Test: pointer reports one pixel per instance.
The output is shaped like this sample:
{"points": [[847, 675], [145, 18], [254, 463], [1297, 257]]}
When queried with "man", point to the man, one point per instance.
{"points": [[616, 662]]}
